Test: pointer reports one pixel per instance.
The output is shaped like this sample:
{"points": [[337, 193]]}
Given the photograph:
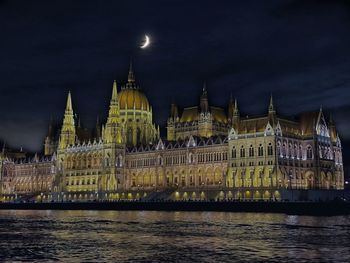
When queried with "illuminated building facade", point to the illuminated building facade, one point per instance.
{"points": [[202, 120], [209, 153], [28, 177], [271, 153]]}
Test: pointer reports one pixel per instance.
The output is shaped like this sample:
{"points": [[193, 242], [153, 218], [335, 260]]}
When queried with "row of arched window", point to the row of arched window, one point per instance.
{"points": [[180, 159], [212, 157], [251, 151], [83, 162], [295, 151], [81, 182]]}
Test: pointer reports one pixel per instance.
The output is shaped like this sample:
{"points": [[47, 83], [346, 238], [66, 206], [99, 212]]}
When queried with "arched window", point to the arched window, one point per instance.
{"points": [[251, 151], [284, 150], [260, 150], [138, 135], [160, 160], [119, 161], [270, 149], [242, 151], [309, 152], [129, 136], [290, 150], [190, 160], [279, 149]]}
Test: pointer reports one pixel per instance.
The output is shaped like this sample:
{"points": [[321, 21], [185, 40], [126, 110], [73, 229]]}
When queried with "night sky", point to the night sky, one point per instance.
{"points": [[297, 50]]}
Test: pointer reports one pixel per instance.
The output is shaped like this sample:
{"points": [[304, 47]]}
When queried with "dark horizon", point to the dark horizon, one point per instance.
{"points": [[296, 50]]}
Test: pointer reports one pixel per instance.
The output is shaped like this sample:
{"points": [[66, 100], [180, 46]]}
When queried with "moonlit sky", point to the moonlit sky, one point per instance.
{"points": [[297, 50]]}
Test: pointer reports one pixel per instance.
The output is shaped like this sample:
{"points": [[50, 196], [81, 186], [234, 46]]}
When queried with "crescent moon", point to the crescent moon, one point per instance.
{"points": [[146, 43]]}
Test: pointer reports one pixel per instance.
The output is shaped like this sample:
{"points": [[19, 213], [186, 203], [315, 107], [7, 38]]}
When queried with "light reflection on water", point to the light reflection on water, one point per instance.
{"points": [[75, 236]]}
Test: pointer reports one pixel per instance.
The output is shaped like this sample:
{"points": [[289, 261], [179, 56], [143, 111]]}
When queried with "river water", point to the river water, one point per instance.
{"points": [[113, 236]]}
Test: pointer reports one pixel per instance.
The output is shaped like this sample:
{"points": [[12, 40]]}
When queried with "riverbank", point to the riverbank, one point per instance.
{"points": [[290, 208]]}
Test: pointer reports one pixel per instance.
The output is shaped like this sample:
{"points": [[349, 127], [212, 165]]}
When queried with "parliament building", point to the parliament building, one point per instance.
{"points": [[209, 153]]}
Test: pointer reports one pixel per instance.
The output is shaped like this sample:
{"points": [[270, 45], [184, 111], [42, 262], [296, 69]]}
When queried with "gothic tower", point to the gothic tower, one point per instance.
{"points": [[205, 119], [113, 129], [67, 136], [235, 117]]}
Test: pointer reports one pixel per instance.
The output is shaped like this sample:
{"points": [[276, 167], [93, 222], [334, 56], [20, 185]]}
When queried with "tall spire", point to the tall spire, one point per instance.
{"points": [[131, 75], [271, 107], [114, 92], [235, 116], [69, 103], [235, 109], [231, 99], [204, 105], [113, 130], [272, 113], [67, 136], [98, 128], [3, 147], [113, 115], [204, 88], [50, 131]]}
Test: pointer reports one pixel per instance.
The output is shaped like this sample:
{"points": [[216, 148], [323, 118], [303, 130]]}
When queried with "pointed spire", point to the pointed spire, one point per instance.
{"points": [[174, 111], [69, 102], [97, 121], [204, 88], [204, 99], [114, 92], [131, 75], [98, 128], [3, 147], [271, 106], [235, 109], [67, 136], [113, 113]]}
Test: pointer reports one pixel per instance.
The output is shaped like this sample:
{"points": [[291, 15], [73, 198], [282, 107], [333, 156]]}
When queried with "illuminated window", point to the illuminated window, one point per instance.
{"points": [[242, 151], [270, 149], [260, 150], [309, 152]]}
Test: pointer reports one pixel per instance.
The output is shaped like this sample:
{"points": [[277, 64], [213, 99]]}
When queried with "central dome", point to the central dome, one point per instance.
{"points": [[131, 96], [127, 98]]}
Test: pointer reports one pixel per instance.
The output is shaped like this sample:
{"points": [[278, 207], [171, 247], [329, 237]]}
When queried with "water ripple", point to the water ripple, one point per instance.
{"points": [[112, 236]]}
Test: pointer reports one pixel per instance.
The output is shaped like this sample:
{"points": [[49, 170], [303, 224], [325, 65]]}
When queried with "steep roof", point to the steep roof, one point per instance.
{"points": [[191, 114]]}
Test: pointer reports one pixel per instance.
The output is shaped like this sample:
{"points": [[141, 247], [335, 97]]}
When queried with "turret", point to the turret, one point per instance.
{"points": [[112, 131], [131, 84], [49, 144], [235, 117], [174, 113], [171, 122], [204, 106], [98, 129], [272, 112], [131, 75], [67, 136], [271, 106], [332, 129]]}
